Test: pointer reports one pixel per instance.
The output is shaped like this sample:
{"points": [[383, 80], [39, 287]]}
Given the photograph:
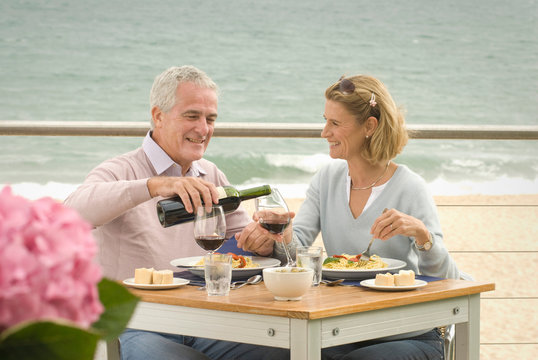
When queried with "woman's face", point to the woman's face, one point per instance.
{"points": [[342, 131]]}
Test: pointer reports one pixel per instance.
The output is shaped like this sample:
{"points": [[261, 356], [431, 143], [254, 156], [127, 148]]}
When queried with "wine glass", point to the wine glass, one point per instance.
{"points": [[274, 215], [210, 228]]}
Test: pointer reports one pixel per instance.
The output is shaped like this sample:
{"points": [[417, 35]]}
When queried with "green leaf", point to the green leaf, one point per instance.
{"points": [[119, 305], [47, 340], [330, 260]]}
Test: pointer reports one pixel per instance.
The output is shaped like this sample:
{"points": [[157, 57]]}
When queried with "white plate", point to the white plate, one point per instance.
{"points": [[358, 274], [177, 283], [189, 262], [371, 284]]}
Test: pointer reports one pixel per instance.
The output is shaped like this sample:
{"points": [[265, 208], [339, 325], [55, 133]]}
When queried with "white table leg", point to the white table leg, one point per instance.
{"points": [[305, 339], [467, 338]]}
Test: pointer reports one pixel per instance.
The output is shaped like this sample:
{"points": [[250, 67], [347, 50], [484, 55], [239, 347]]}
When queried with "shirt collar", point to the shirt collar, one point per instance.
{"points": [[163, 163]]}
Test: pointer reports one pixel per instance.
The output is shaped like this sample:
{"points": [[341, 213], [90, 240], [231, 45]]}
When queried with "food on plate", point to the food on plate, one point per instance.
{"points": [[163, 277], [404, 278], [238, 262], [151, 276], [352, 262], [384, 279], [143, 275]]}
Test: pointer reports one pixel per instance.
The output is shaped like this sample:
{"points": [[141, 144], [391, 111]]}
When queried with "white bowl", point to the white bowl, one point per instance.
{"points": [[288, 283]]}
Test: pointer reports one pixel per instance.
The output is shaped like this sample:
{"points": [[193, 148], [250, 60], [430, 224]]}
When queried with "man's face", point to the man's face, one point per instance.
{"points": [[184, 131]]}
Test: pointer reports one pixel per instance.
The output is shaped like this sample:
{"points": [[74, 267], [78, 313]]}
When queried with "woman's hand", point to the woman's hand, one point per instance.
{"points": [[393, 222]]}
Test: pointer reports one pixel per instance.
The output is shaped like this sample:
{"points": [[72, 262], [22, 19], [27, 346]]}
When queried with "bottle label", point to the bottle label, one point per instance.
{"points": [[222, 193]]}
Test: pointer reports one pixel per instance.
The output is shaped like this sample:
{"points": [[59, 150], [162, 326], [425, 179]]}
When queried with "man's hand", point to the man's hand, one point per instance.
{"points": [[191, 190], [255, 238]]}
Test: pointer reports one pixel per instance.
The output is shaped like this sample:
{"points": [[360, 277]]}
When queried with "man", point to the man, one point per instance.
{"points": [[119, 196]]}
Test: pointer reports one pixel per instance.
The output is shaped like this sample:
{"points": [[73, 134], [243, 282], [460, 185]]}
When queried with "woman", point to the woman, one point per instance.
{"points": [[346, 201]]}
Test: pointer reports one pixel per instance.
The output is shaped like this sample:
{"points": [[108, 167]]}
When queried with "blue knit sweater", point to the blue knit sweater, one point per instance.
{"points": [[326, 209]]}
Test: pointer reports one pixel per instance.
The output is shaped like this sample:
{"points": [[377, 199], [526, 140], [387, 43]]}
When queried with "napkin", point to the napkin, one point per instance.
{"points": [[194, 280]]}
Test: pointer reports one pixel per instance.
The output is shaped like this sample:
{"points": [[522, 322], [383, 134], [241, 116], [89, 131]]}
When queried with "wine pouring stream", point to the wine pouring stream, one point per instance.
{"points": [[274, 216]]}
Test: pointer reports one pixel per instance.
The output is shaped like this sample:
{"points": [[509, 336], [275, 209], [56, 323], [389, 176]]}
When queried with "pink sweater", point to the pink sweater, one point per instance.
{"points": [[114, 198]]}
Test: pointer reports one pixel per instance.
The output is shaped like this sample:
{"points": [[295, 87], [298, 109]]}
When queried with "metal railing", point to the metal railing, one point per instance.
{"points": [[278, 130]]}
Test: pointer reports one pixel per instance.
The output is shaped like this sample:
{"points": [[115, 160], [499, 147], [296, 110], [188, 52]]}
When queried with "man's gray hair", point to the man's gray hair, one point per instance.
{"points": [[163, 91]]}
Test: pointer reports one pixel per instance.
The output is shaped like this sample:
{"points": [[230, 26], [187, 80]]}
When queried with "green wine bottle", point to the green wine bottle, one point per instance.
{"points": [[172, 211]]}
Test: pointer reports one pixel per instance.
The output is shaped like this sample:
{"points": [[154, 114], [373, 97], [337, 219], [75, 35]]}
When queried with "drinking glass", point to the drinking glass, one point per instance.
{"points": [[210, 228], [217, 273], [274, 216], [311, 257]]}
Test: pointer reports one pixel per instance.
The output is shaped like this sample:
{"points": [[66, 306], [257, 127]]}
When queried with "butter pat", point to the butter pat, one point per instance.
{"points": [[143, 276], [384, 279], [163, 277], [404, 278]]}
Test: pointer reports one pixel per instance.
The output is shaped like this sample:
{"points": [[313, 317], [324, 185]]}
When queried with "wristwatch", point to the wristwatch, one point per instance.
{"points": [[426, 246]]}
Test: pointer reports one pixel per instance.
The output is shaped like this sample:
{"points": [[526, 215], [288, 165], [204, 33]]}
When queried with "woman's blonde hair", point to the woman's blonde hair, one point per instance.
{"points": [[390, 136]]}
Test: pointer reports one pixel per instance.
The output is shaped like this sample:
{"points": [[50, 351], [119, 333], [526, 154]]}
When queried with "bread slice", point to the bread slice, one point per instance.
{"points": [[404, 278], [384, 279], [143, 276], [163, 277]]}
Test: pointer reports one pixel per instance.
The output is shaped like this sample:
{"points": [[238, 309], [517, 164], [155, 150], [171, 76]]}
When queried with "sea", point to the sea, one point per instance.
{"points": [[444, 62]]}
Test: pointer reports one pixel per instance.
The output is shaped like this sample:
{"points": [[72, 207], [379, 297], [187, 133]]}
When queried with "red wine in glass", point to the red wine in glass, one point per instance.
{"points": [[210, 242], [273, 215], [210, 228], [274, 227]]}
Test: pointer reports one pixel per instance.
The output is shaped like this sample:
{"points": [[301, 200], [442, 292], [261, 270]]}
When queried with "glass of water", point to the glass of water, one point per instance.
{"points": [[311, 257], [218, 274]]}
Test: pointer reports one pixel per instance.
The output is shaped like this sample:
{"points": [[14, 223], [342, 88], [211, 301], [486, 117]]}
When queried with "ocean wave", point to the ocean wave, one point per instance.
{"points": [[33, 191], [439, 187], [306, 163]]}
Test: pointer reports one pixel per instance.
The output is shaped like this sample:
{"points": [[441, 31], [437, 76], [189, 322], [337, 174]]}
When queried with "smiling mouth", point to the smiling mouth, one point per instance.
{"points": [[196, 141], [333, 143]]}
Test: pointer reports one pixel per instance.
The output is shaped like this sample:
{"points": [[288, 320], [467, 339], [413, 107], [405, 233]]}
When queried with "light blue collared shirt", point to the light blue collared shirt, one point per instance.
{"points": [[163, 163]]}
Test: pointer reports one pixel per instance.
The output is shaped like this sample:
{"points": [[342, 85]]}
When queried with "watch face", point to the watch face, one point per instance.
{"points": [[428, 245]]}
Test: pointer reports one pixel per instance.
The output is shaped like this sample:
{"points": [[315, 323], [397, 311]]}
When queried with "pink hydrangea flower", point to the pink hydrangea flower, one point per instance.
{"points": [[47, 263]]}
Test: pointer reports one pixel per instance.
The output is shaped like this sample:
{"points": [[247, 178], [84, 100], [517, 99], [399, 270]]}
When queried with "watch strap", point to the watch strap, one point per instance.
{"points": [[427, 245]]}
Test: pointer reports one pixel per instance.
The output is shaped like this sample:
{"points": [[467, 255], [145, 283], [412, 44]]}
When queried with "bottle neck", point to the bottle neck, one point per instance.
{"points": [[254, 192]]}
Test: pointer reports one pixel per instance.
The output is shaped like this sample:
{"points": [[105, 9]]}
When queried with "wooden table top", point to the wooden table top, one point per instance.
{"points": [[319, 302]]}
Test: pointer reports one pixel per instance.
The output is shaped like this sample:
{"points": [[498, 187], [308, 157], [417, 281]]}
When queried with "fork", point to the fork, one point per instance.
{"points": [[365, 255]]}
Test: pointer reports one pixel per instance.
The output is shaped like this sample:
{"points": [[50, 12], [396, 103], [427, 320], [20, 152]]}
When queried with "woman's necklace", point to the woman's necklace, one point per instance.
{"points": [[375, 182]]}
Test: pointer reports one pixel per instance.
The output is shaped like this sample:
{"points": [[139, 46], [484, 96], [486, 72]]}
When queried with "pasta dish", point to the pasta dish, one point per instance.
{"points": [[238, 262], [352, 262]]}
